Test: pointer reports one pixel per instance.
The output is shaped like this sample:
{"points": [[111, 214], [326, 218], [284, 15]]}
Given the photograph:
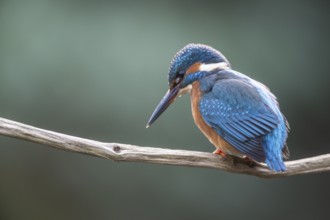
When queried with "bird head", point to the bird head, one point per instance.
{"points": [[189, 64]]}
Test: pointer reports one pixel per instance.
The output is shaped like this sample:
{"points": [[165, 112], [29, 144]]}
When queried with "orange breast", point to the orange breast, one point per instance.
{"points": [[213, 137]]}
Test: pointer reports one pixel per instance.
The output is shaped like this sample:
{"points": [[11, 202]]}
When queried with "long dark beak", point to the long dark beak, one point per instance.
{"points": [[164, 104]]}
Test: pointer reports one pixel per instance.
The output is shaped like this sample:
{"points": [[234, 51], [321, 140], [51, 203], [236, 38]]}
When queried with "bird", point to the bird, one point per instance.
{"points": [[240, 116]]}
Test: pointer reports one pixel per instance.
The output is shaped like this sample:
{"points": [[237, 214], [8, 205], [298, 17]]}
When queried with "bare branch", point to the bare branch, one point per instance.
{"points": [[132, 153]]}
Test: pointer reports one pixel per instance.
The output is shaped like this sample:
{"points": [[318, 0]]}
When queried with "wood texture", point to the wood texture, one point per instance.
{"points": [[132, 153]]}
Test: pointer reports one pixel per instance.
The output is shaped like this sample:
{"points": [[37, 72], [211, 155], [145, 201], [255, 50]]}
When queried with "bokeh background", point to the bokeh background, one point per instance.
{"points": [[97, 69]]}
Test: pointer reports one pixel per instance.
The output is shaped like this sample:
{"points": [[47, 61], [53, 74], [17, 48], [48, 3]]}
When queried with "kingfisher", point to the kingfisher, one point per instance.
{"points": [[239, 115]]}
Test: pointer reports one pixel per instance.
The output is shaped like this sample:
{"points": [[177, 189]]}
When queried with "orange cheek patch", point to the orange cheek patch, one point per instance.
{"points": [[193, 68]]}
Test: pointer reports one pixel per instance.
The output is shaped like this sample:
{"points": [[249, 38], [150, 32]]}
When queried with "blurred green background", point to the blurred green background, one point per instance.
{"points": [[97, 69]]}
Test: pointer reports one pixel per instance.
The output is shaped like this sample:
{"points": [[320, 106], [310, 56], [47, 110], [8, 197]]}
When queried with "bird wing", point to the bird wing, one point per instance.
{"points": [[239, 114]]}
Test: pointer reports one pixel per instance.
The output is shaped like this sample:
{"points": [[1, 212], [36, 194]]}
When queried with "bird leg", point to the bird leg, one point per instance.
{"points": [[236, 160], [221, 153]]}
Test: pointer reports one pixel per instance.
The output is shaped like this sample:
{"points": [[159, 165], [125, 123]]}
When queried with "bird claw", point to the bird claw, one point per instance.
{"points": [[221, 153], [236, 160]]}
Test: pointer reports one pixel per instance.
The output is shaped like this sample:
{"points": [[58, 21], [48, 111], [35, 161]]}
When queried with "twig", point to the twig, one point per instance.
{"points": [[132, 153]]}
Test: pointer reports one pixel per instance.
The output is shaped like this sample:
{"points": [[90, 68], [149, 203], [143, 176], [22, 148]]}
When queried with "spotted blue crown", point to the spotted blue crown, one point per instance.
{"points": [[191, 54]]}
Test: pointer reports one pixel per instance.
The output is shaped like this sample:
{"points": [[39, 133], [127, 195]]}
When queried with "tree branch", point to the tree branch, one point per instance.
{"points": [[132, 153]]}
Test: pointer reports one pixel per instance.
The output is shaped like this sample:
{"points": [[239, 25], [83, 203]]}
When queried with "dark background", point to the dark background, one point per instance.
{"points": [[97, 69]]}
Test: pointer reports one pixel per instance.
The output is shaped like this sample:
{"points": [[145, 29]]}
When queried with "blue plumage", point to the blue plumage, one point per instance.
{"points": [[234, 107], [245, 114]]}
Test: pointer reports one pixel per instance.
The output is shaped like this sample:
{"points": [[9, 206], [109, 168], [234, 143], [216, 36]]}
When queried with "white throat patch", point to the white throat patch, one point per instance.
{"points": [[213, 66], [185, 90]]}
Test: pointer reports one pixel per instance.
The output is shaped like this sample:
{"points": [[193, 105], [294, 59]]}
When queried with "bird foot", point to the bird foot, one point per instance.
{"points": [[244, 160], [221, 153], [236, 160]]}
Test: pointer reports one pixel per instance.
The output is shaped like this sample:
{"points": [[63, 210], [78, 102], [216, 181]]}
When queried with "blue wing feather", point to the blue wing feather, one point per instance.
{"points": [[237, 112]]}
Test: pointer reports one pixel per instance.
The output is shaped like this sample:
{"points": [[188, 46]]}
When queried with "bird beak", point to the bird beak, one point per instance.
{"points": [[166, 101]]}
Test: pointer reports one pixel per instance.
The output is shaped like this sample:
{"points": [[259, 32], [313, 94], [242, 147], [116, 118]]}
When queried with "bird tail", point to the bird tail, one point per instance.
{"points": [[276, 164], [275, 150]]}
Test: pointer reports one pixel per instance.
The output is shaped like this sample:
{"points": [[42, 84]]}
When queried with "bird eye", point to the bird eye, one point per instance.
{"points": [[177, 80], [179, 77]]}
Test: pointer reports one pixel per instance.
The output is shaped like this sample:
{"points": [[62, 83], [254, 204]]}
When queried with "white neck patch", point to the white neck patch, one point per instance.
{"points": [[212, 66], [185, 90]]}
